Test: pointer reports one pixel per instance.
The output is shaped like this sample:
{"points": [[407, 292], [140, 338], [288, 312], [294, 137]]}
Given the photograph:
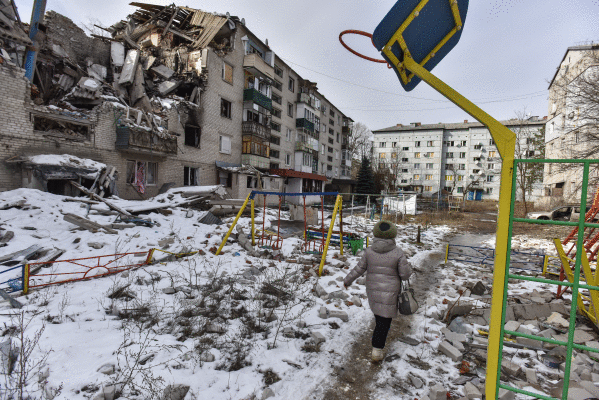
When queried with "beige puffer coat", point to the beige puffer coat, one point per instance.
{"points": [[386, 264]]}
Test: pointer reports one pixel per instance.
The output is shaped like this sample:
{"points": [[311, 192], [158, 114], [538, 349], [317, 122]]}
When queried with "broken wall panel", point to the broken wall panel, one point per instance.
{"points": [[129, 68]]}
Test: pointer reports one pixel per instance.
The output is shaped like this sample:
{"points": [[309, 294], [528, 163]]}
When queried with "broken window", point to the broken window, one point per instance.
{"points": [[142, 173], [192, 135], [227, 73], [291, 85], [191, 176], [275, 127], [224, 144], [58, 127], [290, 109], [278, 71], [276, 112], [274, 154], [275, 140], [276, 98], [278, 85], [225, 108]]}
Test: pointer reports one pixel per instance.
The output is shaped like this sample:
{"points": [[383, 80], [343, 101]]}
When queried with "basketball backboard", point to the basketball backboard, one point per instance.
{"points": [[427, 29]]}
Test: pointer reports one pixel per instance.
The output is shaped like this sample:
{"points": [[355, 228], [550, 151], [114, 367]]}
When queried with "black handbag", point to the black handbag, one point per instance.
{"points": [[406, 301]]}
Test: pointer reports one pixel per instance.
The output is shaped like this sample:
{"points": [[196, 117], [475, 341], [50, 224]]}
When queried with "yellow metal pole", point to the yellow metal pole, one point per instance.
{"points": [[326, 246], [245, 203], [150, 256], [545, 265], [253, 226], [341, 225], [505, 140], [446, 253], [25, 278]]}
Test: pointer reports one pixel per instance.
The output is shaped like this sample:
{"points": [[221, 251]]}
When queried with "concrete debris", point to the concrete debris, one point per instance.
{"points": [[510, 368], [342, 315], [207, 357], [107, 369], [450, 351], [506, 395], [320, 291], [175, 392], [357, 301], [416, 382], [558, 320], [267, 393], [472, 392], [479, 289], [318, 337], [458, 325], [323, 312], [437, 392]]}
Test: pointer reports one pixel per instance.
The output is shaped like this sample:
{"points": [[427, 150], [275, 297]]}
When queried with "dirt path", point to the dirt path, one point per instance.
{"points": [[356, 374]]}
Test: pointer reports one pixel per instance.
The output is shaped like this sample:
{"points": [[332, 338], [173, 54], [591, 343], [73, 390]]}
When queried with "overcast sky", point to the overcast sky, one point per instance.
{"points": [[508, 52]]}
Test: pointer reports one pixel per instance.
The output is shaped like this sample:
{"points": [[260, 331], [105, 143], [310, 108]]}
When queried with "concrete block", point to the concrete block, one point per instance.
{"points": [[323, 312], [512, 326], [267, 393], [416, 382], [526, 329], [594, 345], [340, 294], [320, 291], [506, 395], [454, 337], [175, 392], [510, 368], [531, 376], [107, 369], [357, 301], [342, 315], [109, 392], [438, 392], [472, 391], [450, 351], [318, 337], [530, 343], [579, 394]]}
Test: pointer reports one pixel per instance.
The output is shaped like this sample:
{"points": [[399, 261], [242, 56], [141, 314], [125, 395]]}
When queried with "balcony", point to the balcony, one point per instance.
{"points": [[306, 98], [303, 123], [256, 97], [255, 161], [346, 130], [143, 141], [254, 64], [256, 129]]}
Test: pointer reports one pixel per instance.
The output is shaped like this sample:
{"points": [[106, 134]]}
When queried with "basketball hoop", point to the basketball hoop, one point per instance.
{"points": [[361, 33]]}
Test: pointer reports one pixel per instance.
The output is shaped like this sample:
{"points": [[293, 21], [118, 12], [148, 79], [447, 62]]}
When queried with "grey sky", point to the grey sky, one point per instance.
{"points": [[509, 50]]}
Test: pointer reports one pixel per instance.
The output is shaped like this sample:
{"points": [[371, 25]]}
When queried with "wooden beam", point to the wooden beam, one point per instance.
{"points": [[96, 197]]}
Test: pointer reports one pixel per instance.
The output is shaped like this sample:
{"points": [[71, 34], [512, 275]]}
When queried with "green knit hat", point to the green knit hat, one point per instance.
{"points": [[385, 230]]}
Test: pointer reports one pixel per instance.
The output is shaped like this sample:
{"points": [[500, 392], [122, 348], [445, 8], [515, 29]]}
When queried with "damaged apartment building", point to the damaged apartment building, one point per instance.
{"points": [[170, 96]]}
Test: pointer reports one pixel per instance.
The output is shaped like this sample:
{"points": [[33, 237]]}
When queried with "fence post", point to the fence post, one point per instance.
{"points": [[150, 256], [25, 278], [446, 253]]}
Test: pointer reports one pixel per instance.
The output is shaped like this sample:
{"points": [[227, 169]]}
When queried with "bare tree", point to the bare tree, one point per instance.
{"points": [[360, 141], [530, 144]]}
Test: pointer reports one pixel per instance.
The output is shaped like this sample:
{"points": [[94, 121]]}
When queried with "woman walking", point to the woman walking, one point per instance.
{"points": [[387, 266]]}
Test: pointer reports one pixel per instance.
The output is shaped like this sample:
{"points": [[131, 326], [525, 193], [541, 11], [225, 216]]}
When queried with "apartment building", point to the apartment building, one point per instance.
{"points": [[200, 108], [569, 123], [460, 158]]}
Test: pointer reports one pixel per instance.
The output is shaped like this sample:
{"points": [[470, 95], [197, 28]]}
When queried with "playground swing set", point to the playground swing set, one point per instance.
{"points": [[413, 38], [316, 240]]}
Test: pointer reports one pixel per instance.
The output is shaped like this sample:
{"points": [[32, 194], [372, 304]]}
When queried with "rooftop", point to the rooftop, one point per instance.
{"points": [[460, 125]]}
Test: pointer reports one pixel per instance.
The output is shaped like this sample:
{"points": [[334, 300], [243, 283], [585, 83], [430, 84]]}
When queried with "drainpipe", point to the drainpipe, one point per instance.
{"points": [[39, 9]]}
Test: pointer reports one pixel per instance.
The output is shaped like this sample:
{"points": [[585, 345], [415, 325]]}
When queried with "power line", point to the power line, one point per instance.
{"points": [[534, 94]]}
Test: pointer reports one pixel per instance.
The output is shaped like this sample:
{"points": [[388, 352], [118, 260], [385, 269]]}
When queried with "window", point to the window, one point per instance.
{"points": [[331, 131], [462, 167], [192, 135], [394, 144], [288, 159], [448, 167], [382, 144], [329, 167], [448, 155], [416, 177], [404, 181], [404, 170], [291, 85], [476, 159], [449, 178], [462, 155], [428, 188], [417, 144], [338, 137], [460, 189], [530, 153], [276, 112], [227, 73], [225, 108], [289, 136], [450, 143], [331, 122], [430, 143], [460, 178], [417, 166], [323, 128], [142, 173], [491, 142], [275, 140], [463, 143], [225, 178], [191, 176], [492, 154], [276, 98], [329, 159], [277, 85], [490, 178], [428, 177], [330, 150], [274, 153], [331, 141], [429, 166], [478, 146], [416, 155], [404, 160], [430, 155], [405, 149], [331, 112], [475, 171], [290, 109], [394, 155], [224, 144], [336, 154], [278, 71], [275, 127], [489, 190], [490, 166], [382, 155]]}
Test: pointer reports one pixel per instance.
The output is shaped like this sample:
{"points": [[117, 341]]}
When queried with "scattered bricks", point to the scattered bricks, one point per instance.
{"points": [[340, 294], [454, 337], [531, 376], [323, 312], [450, 351], [357, 301], [267, 393], [547, 333], [526, 329], [459, 310], [320, 291], [472, 392], [510, 368], [557, 320], [530, 343], [318, 337], [479, 289], [594, 345], [512, 326], [506, 395], [458, 325], [342, 315], [438, 392]]}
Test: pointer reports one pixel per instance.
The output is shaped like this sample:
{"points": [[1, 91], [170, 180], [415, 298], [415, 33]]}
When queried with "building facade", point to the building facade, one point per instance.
{"points": [[228, 112], [570, 123], [459, 158]]}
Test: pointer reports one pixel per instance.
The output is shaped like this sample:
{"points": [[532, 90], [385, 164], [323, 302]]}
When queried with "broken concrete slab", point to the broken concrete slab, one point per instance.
{"points": [[323, 312], [472, 392], [163, 71], [129, 67], [175, 392], [320, 291], [357, 301], [512, 326], [342, 315], [510, 368], [506, 395], [450, 351], [167, 87], [531, 376], [318, 337], [438, 392], [479, 289]]}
